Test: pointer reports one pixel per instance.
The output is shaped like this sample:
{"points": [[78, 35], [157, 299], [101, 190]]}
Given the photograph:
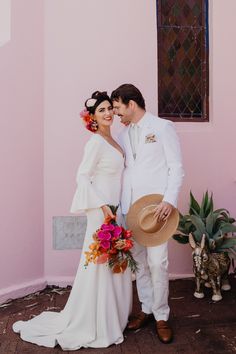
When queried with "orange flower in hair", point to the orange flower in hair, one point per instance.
{"points": [[90, 124]]}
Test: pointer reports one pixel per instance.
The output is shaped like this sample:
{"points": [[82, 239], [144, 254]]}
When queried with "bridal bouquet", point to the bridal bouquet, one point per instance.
{"points": [[112, 245]]}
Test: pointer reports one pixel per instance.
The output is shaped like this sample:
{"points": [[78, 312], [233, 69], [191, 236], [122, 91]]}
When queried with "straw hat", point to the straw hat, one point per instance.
{"points": [[147, 231]]}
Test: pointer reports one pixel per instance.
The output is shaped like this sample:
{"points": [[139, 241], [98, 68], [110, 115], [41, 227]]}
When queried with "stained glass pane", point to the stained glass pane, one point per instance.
{"points": [[183, 59]]}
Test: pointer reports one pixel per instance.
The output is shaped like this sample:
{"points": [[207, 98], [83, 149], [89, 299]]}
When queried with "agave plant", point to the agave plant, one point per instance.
{"points": [[202, 219]]}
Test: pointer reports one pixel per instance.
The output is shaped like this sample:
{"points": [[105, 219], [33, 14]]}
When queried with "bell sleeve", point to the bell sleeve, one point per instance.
{"points": [[86, 196]]}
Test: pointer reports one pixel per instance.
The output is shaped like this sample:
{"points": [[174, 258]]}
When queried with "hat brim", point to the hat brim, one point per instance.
{"points": [[155, 238]]}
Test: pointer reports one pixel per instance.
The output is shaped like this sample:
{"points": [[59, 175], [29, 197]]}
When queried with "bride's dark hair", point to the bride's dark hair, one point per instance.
{"points": [[95, 100], [90, 107]]}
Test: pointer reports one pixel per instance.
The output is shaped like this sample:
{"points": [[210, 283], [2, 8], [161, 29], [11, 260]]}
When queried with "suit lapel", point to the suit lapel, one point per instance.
{"points": [[144, 132], [127, 144]]}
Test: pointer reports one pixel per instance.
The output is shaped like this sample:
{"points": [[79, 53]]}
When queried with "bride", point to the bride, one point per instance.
{"points": [[97, 310]]}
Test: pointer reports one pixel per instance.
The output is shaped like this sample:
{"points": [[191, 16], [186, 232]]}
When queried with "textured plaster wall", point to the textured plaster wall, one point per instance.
{"points": [[21, 149]]}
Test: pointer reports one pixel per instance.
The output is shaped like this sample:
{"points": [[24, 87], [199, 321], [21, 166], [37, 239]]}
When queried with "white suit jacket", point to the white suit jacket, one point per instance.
{"points": [[158, 164]]}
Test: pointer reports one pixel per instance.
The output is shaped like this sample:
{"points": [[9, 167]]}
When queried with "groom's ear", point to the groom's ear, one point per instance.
{"points": [[132, 104]]}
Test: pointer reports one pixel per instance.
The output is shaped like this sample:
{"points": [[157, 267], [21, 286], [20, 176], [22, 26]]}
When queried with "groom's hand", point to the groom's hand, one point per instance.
{"points": [[162, 211], [107, 212]]}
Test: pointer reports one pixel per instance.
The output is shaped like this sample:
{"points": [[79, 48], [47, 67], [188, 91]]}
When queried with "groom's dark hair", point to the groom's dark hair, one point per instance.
{"points": [[127, 92]]}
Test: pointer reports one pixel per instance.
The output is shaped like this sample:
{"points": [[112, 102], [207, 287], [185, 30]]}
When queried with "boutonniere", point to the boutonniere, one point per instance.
{"points": [[150, 138]]}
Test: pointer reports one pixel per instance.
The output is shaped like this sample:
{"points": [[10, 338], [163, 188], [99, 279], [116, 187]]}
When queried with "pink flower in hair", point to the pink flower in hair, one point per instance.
{"points": [[90, 124]]}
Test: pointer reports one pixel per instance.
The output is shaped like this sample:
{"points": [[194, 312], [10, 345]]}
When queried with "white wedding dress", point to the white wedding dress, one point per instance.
{"points": [[99, 304]]}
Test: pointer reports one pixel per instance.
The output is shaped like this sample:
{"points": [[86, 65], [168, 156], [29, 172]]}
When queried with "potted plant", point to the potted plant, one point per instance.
{"points": [[217, 225], [211, 235]]}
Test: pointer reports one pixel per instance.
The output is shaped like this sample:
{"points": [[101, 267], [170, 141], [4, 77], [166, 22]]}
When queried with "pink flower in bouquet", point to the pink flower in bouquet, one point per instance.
{"points": [[112, 245], [105, 244], [107, 227], [117, 231], [104, 235]]}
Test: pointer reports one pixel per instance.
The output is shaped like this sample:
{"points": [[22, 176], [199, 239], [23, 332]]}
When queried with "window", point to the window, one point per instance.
{"points": [[183, 64]]}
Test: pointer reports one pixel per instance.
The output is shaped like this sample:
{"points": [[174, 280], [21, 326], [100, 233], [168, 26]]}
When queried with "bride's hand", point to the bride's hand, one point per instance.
{"points": [[107, 212]]}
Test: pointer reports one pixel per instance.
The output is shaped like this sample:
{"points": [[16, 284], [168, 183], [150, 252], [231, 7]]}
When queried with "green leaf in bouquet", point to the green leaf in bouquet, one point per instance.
{"points": [[114, 208]]}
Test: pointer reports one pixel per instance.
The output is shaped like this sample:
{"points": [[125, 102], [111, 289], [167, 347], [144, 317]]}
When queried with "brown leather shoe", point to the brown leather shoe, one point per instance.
{"points": [[164, 332], [139, 321]]}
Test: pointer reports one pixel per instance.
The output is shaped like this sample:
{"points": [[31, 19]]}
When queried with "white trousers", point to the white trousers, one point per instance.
{"points": [[152, 279]]}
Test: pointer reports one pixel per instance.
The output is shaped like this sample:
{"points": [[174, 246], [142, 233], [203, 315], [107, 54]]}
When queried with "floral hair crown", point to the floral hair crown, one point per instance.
{"points": [[90, 102], [89, 122], [90, 107]]}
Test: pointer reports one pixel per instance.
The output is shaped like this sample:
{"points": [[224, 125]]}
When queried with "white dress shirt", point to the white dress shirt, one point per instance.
{"points": [[134, 135]]}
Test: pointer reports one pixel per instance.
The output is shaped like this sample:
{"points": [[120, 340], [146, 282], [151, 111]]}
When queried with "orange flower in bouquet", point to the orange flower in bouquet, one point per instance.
{"points": [[112, 245]]}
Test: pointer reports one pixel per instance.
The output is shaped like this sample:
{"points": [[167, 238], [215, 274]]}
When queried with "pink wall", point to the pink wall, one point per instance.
{"points": [[91, 45], [21, 146], [98, 45]]}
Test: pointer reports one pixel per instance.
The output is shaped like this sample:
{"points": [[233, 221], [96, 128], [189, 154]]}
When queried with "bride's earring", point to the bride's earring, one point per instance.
{"points": [[94, 123]]}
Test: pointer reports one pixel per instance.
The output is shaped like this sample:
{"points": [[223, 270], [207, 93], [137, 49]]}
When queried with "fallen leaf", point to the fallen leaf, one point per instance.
{"points": [[31, 305]]}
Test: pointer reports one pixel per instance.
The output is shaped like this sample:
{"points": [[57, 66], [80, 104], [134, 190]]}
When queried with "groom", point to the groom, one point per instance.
{"points": [[153, 165]]}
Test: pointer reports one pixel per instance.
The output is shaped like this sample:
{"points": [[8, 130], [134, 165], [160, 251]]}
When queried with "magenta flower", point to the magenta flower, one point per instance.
{"points": [[107, 227], [104, 235], [117, 231], [105, 244]]}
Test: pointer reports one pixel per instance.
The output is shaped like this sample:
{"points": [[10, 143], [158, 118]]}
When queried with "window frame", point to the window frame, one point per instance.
{"points": [[204, 62]]}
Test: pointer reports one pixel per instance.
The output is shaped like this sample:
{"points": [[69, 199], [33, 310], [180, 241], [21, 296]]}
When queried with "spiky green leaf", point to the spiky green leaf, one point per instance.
{"points": [[197, 235], [210, 206], [228, 243], [193, 204], [198, 223], [223, 229], [210, 222], [204, 204], [219, 242]]}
